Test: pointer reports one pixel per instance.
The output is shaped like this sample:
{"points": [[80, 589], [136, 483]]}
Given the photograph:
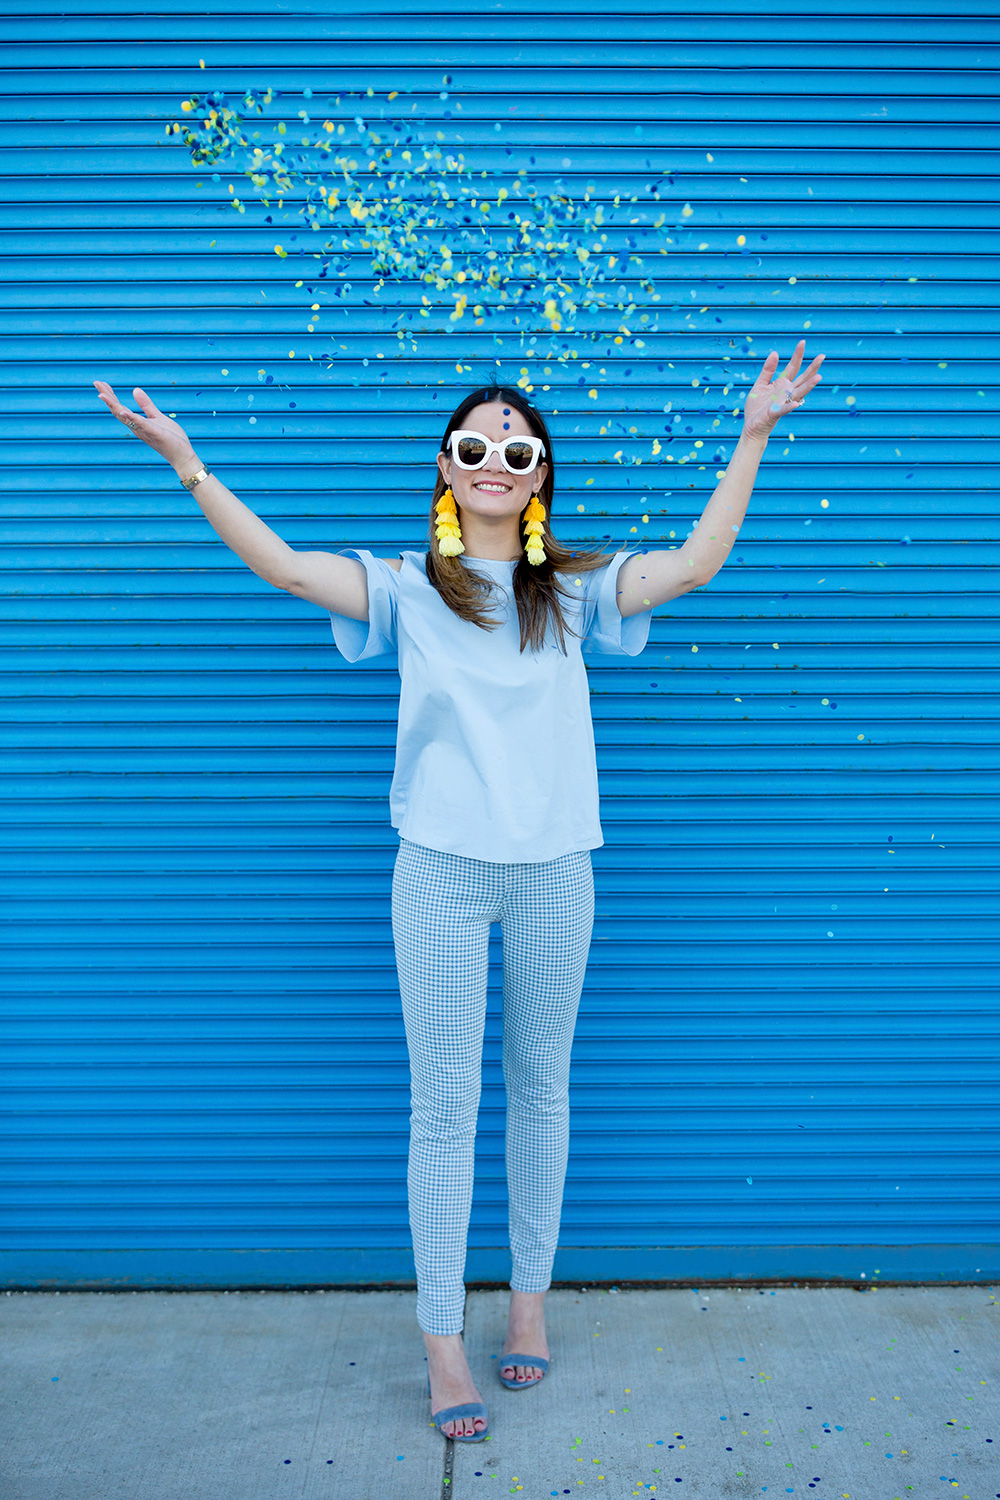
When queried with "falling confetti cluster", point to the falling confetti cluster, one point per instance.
{"points": [[523, 259], [425, 214]]}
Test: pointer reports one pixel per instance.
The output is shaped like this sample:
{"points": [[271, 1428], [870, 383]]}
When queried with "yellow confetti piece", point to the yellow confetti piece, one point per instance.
{"points": [[187, 106], [280, 250], [741, 239]]}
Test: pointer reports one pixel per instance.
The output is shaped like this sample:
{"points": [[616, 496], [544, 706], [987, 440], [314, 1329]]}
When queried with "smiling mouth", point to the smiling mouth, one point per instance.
{"points": [[494, 486]]}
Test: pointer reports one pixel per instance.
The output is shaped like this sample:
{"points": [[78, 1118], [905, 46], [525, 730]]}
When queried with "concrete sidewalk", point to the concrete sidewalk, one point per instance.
{"points": [[257, 1396]]}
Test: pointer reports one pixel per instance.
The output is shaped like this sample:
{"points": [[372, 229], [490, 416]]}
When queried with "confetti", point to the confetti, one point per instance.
{"points": [[533, 261]]}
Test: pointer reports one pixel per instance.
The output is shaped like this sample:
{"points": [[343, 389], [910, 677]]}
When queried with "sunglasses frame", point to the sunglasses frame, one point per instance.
{"points": [[536, 444]]}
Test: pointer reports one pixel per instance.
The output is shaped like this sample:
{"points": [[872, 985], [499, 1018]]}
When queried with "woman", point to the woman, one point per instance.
{"points": [[495, 799]]}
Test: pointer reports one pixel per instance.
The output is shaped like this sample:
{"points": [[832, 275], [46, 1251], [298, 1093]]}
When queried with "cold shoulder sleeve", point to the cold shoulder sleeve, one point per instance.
{"points": [[358, 640], [606, 631]]}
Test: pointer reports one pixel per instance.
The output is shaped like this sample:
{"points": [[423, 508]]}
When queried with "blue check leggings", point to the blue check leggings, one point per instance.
{"points": [[442, 908]]}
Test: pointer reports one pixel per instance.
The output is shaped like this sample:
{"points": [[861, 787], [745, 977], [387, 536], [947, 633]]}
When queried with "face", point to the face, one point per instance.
{"points": [[492, 491]]}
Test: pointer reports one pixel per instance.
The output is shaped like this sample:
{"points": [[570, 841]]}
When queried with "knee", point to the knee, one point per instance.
{"points": [[444, 1115], [537, 1072], [546, 1091]]}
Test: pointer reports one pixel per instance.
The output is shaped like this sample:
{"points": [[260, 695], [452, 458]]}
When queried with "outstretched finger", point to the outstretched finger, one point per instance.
{"points": [[809, 378], [128, 418], [767, 369], [106, 393], [148, 405], [811, 372], [109, 398], [792, 368]]}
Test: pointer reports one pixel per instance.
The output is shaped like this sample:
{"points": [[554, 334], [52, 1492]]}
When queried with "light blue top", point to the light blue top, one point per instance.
{"points": [[495, 750]]}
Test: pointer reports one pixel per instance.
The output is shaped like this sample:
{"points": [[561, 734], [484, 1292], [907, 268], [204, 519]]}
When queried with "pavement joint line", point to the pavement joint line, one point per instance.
{"points": [[447, 1487]]}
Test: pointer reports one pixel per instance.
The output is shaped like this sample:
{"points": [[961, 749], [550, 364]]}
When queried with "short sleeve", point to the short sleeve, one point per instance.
{"points": [[357, 640], [606, 631]]}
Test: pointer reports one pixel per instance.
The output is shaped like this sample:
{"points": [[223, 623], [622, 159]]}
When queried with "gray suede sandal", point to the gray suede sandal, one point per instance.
{"points": [[452, 1413], [535, 1361]]}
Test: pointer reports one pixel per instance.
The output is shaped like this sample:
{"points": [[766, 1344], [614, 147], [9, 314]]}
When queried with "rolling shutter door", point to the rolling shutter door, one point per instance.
{"points": [[786, 1058]]}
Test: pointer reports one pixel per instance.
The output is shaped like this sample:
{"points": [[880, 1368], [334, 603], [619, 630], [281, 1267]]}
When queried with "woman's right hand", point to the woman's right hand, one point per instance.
{"points": [[157, 431]]}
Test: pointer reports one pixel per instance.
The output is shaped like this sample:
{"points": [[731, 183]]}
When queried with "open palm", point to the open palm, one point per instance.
{"points": [[151, 425], [771, 395]]}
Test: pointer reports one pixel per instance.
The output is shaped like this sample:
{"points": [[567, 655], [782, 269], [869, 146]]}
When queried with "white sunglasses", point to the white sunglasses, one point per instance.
{"points": [[473, 450]]}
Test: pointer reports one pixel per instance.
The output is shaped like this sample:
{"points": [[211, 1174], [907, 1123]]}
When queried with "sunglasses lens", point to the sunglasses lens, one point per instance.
{"points": [[471, 451], [518, 456]]}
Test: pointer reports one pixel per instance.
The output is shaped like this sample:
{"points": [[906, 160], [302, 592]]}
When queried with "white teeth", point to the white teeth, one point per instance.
{"points": [[496, 489]]}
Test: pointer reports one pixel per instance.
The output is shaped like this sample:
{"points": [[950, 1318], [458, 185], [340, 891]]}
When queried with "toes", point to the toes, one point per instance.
{"points": [[464, 1427]]}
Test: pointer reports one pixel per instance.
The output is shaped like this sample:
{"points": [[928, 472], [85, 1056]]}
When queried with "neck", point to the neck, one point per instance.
{"points": [[497, 540]]}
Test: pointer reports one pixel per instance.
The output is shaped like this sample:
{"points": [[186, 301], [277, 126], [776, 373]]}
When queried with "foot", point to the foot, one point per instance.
{"points": [[525, 1335], [451, 1382]]}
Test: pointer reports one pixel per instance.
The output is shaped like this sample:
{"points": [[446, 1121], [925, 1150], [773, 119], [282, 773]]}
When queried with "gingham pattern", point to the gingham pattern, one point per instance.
{"points": [[442, 907]]}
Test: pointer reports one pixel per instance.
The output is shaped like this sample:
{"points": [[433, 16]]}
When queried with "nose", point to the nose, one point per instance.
{"points": [[494, 465]]}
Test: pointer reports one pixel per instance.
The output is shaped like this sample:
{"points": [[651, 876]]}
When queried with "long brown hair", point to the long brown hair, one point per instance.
{"points": [[537, 589]]}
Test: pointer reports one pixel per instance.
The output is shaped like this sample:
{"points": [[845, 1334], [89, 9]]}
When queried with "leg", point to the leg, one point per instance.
{"points": [[441, 915], [548, 920]]}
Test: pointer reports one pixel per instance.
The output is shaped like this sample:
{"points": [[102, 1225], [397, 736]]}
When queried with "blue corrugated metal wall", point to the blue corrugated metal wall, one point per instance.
{"points": [[786, 1061]]}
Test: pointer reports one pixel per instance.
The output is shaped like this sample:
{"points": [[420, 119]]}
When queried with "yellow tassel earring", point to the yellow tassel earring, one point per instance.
{"points": [[534, 525], [449, 533]]}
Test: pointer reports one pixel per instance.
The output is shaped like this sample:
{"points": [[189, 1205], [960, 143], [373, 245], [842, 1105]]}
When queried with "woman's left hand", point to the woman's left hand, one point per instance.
{"points": [[770, 396]]}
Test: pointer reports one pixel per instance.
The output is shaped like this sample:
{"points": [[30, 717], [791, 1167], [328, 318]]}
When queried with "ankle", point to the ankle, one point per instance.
{"points": [[444, 1348], [527, 1307]]}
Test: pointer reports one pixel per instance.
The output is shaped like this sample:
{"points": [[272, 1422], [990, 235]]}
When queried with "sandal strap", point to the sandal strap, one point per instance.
{"points": [[448, 1413]]}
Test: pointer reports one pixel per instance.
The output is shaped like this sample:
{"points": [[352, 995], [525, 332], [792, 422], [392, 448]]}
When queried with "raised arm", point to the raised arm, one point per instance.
{"points": [[335, 583], [655, 577]]}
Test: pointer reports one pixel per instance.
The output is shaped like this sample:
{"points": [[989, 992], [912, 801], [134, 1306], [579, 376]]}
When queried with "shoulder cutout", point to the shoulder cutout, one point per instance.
{"points": [[394, 562]]}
